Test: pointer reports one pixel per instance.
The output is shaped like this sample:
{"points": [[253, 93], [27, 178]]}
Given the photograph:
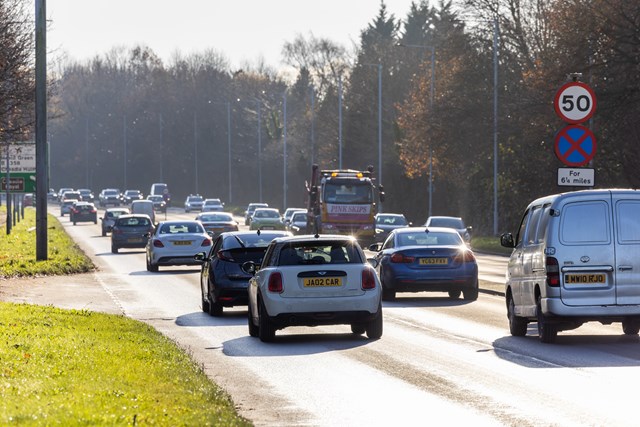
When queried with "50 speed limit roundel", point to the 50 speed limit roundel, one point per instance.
{"points": [[575, 102]]}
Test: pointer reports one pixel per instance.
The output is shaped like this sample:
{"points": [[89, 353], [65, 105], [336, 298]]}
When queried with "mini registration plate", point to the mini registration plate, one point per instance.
{"points": [[319, 282], [434, 261], [584, 278], [182, 242]]}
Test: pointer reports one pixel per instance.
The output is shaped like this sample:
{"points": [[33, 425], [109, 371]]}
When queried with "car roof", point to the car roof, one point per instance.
{"points": [[135, 216], [391, 214], [117, 210], [316, 238], [424, 228], [267, 209]]}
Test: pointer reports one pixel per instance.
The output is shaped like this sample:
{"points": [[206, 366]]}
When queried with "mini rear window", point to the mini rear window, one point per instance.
{"points": [[312, 252]]}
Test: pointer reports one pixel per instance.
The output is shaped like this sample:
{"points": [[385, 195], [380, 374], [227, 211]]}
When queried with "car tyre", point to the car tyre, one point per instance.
{"points": [[630, 327], [454, 294], [374, 328], [517, 324], [470, 294], [358, 328], [114, 249], [547, 332], [74, 222], [215, 308], [205, 302], [104, 233], [387, 294], [253, 329], [151, 267], [266, 330]]}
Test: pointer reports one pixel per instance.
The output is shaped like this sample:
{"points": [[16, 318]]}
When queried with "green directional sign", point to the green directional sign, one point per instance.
{"points": [[24, 182], [21, 160]]}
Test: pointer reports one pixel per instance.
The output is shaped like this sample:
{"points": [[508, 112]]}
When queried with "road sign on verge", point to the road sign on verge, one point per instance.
{"points": [[583, 177], [575, 102], [19, 183], [575, 145]]}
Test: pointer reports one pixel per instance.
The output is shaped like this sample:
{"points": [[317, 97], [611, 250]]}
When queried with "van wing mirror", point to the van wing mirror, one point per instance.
{"points": [[507, 241]]}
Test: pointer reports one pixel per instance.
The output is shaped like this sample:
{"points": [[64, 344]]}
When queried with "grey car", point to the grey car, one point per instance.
{"points": [[109, 218], [387, 222], [451, 222], [131, 231]]}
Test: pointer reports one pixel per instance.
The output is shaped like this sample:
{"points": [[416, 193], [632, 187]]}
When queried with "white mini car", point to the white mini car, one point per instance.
{"points": [[314, 280]]}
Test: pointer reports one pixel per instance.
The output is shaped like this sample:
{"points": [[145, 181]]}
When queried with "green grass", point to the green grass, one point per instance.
{"points": [[489, 244], [18, 249], [80, 368]]}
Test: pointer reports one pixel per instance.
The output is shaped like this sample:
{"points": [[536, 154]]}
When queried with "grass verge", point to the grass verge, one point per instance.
{"points": [[489, 244], [18, 250], [77, 367]]}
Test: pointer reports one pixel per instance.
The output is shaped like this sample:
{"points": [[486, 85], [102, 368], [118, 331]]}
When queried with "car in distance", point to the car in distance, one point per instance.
{"points": [[212, 205], [222, 281], [310, 281], [65, 206], [109, 196], [52, 195], [385, 222], [109, 219], [298, 223], [72, 195], [193, 203], [158, 202], [176, 243], [130, 231], [450, 222], [266, 219], [161, 189], [426, 259], [130, 195], [87, 195], [144, 207], [288, 213], [250, 209], [61, 193], [217, 222], [83, 212]]}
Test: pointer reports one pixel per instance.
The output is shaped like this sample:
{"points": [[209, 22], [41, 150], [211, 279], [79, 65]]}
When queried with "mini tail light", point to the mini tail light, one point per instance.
{"points": [[399, 257], [553, 272], [275, 282], [206, 242], [368, 279], [157, 244]]}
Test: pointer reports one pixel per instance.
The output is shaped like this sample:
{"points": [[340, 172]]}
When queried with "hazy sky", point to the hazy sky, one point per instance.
{"points": [[242, 30]]}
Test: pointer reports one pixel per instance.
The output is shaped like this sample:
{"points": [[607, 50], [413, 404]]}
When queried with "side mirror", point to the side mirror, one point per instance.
{"points": [[469, 229], [375, 247], [249, 267], [507, 241], [200, 256], [372, 262]]}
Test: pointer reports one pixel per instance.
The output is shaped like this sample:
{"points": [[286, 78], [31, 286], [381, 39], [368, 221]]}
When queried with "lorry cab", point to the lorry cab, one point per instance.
{"points": [[576, 258]]}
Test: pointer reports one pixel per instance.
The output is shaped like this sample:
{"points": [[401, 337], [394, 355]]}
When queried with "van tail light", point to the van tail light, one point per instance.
{"points": [[157, 244], [275, 282], [553, 272], [400, 258], [368, 279], [206, 242]]}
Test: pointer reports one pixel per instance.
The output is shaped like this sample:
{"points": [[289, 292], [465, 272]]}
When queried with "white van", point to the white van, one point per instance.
{"points": [[144, 207], [575, 259]]}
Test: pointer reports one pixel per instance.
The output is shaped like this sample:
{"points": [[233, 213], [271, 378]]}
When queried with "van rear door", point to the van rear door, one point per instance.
{"points": [[585, 249], [627, 238]]}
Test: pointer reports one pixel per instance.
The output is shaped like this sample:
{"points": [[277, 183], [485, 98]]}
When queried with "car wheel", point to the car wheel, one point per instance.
{"points": [[358, 328], [205, 302], [517, 324], [630, 327], [151, 267], [114, 249], [253, 329], [95, 221], [266, 330], [104, 233], [387, 294], [454, 294], [215, 308], [74, 223], [547, 332], [374, 328], [470, 294]]}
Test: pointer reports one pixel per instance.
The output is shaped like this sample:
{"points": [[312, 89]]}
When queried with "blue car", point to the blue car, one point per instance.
{"points": [[419, 259], [222, 281]]}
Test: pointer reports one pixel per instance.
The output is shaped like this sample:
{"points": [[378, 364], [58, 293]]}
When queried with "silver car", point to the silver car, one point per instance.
{"points": [[176, 243], [454, 222], [109, 218]]}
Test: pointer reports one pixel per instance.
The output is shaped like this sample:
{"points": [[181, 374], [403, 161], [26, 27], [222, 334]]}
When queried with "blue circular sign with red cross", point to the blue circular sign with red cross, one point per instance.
{"points": [[575, 145]]}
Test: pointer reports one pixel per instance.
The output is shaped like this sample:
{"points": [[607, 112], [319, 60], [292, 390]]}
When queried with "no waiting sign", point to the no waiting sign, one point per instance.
{"points": [[575, 102]]}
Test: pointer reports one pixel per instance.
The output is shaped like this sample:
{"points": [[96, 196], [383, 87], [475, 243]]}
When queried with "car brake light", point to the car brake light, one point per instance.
{"points": [[553, 272], [225, 256], [464, 256], [275, 282], [157, 244], [206, 242], [368, 279], [399, 257]]}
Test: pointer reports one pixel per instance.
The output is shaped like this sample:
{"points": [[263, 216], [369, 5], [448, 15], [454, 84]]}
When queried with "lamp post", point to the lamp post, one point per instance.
{"points": [[339, 122], [379, 66], [259, 136], [284, 140], [431, 93], [228, 105]]}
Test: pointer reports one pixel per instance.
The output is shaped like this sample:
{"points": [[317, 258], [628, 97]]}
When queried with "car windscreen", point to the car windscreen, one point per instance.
{"points": [[216, 218], [261, 240], [299, 217], [446, 222], [314, 252], [391, 220], [266, 214], [421, 238]]}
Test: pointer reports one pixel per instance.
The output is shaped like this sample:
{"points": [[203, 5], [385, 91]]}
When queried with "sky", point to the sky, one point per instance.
{"points": [[242, 30]]}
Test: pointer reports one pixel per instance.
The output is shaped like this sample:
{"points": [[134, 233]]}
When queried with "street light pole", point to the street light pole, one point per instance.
{"points": [[284, 130], [229, 148], [195, 149], [379, 67], [495, 126], [340, 122]]}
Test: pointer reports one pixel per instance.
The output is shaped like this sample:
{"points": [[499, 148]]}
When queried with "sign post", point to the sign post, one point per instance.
{"points": [[21, 163]]}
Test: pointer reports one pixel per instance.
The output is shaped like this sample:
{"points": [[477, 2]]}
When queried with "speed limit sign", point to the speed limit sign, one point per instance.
{"points": [[575, 102]]}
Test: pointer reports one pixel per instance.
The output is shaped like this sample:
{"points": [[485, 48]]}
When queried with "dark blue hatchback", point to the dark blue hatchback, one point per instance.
{"points": [[419, 259], [222, 281]]}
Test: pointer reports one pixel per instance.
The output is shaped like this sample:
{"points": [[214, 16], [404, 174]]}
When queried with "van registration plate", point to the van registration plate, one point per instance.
{"points": [[320, 282], [434, 261], [584, 278]]}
